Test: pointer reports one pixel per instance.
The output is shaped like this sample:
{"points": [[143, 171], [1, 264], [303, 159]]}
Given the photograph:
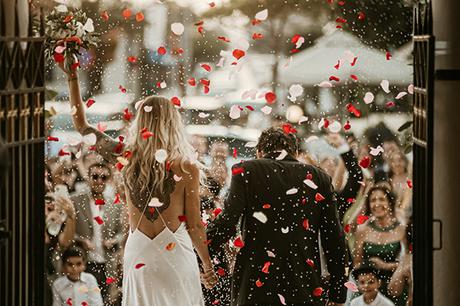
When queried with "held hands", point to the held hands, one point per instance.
{"points": [[208, 277]]}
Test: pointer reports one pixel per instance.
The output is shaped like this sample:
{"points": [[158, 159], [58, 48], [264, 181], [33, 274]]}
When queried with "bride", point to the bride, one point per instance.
{"points": [[160, 267]]}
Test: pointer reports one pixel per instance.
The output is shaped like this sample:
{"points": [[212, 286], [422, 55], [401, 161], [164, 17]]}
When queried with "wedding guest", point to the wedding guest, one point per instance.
{"points": [[281, 220], [76, 287], [399, 175], [100, 225], [382, 238], [369, 284]]}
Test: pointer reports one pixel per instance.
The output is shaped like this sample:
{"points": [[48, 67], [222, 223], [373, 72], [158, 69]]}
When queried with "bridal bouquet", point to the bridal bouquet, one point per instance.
{"points": [[68, 32]]}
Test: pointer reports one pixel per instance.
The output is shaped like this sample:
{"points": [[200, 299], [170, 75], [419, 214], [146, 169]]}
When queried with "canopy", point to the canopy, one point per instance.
{"points": [[316, 64]]}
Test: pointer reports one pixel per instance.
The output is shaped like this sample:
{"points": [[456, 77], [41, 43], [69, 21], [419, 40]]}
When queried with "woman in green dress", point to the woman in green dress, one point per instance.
{"points": [[381, 240]]}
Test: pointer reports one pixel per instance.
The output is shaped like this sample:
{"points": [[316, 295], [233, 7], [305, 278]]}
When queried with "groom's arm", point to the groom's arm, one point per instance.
{"points": [[224, 227], [333, 242]]}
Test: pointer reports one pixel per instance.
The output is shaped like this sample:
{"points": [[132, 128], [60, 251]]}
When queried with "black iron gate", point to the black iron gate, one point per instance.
{"points": [[22, 129], [423, 153]]}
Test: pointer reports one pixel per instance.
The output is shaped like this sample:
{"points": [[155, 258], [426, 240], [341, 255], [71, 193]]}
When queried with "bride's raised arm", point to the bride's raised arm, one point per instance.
{"points": [[106, 146], [76, 102]]}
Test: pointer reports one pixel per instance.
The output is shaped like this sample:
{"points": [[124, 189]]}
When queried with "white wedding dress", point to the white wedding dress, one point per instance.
{"points": [[162, 271]]}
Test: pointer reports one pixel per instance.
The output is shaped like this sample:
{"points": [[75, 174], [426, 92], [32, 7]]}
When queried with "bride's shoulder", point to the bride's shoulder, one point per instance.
{"points": [[183, 166]]}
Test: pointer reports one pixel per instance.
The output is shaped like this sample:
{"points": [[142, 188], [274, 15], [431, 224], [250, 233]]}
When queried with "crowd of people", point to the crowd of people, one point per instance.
{"points": [[87, 228]]}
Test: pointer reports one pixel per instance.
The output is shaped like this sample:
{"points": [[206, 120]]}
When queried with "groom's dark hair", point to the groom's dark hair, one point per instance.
{"points": [[276, 139]]}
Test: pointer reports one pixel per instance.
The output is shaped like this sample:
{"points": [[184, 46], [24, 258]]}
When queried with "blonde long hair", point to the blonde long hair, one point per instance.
{"points": [[159, 116]]}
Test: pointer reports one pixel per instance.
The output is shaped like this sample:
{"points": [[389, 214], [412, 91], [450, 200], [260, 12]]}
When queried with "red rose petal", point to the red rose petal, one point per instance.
{"points": [[365, 162], [237, 53], [90, 102], [223, 38], [347, 126], [139, 17], [259, 283], [69, 301], [126, 13], [266, 206], [205, 82], [311, 263], [257, 36], [388, 55], [192, 81], [220, 271], [361, 219], [354, 77], [58, 57], [175, 101], [117, 199], [306, 224], [237, 170], [270, 97], [170, 246], [105, 15], [127, 115], [216, 211], [352, 109], [206, 67], [99, 220], [319, 197], [63, 153], [266, 267], [139, 265], [50, 138], [205, 89], [99, 202], [238, 242], [347, 228], [334, 78], [318, 291], [132, 59], [361, 16], [182, 218], [161, 50], [146, 135], [409, 183], [110, 280]]}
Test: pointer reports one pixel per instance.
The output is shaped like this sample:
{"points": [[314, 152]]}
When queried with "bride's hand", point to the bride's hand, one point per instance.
{"points": [[209, 278]]}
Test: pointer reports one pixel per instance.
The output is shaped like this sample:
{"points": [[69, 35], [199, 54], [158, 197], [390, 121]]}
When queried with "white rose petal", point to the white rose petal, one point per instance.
{"points": [[400, 95], [260, 216], [161, 155], [235, 112], [303, 119], [325, 84], [282, 155], [376, 151], [292, 191], [285, 230], [251, 144], [299, 42], [177, 28], [368, 97], [177, 178], [89, 26], [385, 86], [262, 15], [310, 184], [242, 44], [321, 123], [410, 89], [221, 62], [163, 85], [148, 108], [335, 127], [154, 202], [203, 115], [270, 253], [296, 90], [138, 104], [266, 110], [249, 94]]}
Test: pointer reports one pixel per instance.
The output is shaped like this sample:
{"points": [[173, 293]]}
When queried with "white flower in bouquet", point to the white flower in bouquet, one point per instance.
{"points": [[68, 32]]}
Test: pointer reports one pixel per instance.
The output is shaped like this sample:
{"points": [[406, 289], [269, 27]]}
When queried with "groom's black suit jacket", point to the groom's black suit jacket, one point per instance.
{"points": [[294, 272]]}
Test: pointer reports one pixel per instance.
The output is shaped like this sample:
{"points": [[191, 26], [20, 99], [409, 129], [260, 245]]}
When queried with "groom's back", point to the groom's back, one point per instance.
{"points": [[285, 207]]}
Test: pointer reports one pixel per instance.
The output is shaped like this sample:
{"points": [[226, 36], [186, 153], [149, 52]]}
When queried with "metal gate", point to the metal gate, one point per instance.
{"points": [[424, 73], [22, 98]]}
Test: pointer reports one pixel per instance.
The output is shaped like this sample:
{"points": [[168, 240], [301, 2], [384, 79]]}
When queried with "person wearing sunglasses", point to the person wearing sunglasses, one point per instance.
{"points": [[100, 225]]}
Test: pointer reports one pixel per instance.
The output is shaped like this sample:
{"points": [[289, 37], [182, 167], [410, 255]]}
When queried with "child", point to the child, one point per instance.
{"points": [[76, 287], [369, 284]]}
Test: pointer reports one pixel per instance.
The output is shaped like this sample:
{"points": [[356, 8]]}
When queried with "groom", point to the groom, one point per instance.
{"points": [[284, 205]]}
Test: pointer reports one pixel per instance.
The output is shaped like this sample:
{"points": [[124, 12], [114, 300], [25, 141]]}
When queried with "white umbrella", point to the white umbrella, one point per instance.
{"points": [[316, 64]]}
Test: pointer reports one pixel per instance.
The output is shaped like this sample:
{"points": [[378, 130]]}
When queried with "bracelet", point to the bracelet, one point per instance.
{"points": [[71, 78]]}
